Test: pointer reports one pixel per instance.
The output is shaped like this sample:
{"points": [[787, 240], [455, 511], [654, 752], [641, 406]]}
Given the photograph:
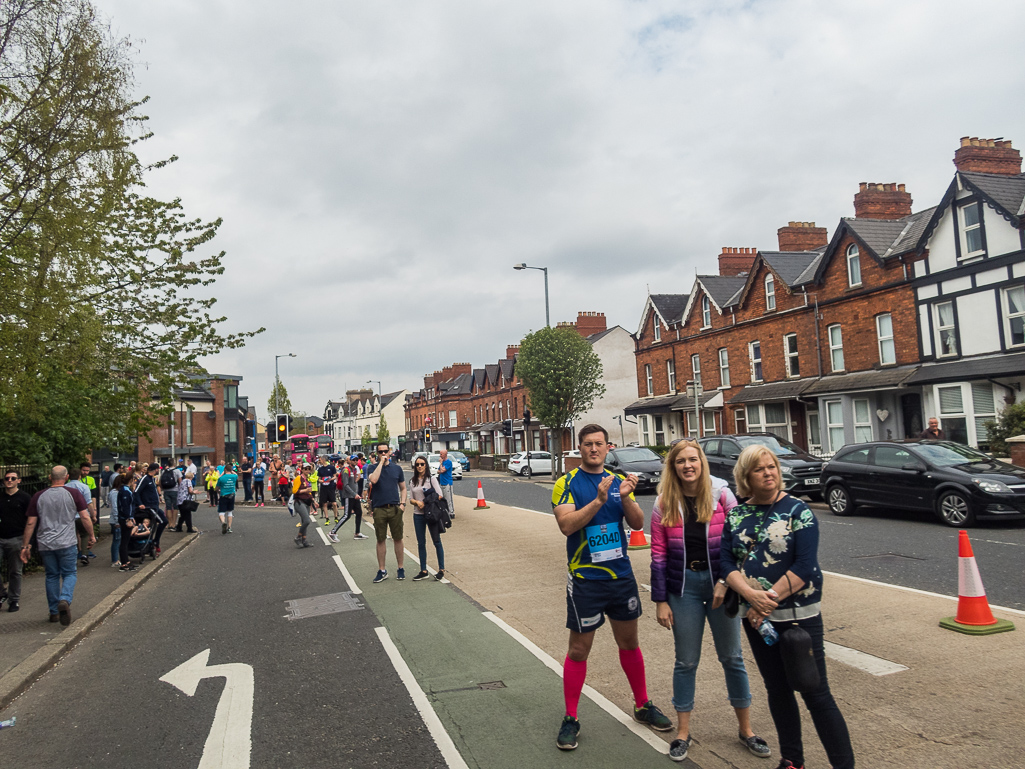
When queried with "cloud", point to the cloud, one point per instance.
{"points": [[380, 166]]}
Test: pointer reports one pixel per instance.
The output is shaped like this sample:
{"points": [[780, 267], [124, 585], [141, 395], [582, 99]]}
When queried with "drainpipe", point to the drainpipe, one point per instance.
{"points": [[818, 337]]}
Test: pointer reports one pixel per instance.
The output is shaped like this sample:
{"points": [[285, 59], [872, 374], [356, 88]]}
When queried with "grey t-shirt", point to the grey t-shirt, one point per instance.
{"points": [[56, 508]]}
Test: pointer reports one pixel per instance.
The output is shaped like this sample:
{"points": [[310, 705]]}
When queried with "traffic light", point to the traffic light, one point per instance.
{"points": [[427, 435], [507, 428], [526, 419], [281, 431]]}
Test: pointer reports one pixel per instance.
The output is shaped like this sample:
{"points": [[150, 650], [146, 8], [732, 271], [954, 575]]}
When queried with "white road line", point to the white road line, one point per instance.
{"points": [[596, 697], [423, 705], [323, 536], [345, 573], [915, 590], [877, 666], [430, 571]]}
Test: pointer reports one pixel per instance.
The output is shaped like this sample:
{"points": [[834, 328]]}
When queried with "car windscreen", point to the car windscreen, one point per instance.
{"points": [[637, 455], [950, 454], [434, 458], [777, 446]]}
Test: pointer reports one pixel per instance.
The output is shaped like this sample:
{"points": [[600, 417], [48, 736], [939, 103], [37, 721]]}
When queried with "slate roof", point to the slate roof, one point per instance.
{"points": [[389, 397], [660, 405], [670, 306], [773, 391], [810, 271], [686, 402], [507, 365], [479, 377], [722, 289], [890, 237], [971, 368], [860, 381], [790, 265], [1006, 193], [491, 371], [461, 385]]}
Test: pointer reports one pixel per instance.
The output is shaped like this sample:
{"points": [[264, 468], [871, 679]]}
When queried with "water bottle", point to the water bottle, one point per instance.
{"points": [[768, 633], [9, 722]]}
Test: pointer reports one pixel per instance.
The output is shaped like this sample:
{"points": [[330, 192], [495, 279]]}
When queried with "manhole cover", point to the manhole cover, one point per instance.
{"points": [[333, 603]]}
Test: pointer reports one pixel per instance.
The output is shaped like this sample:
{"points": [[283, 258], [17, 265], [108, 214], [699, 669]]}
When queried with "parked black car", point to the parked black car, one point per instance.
{"points": [[636, 459], [801, 471], [957, 483]]}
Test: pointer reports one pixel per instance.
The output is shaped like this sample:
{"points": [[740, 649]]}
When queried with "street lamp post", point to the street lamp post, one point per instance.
{"points": [[522, 266]]}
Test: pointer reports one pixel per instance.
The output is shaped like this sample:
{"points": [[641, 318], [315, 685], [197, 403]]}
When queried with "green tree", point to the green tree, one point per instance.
{"points": [[102, 319], [281, 404], [367, 438], [1009, 423], [562, 374], [383, 436]]}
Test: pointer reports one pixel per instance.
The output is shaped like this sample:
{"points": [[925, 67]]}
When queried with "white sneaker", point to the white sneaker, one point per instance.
{"points": [[360, 536], [332, 537]]}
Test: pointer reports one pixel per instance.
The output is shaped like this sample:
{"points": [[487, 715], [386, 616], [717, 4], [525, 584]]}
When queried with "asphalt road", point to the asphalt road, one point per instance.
{"points": [[326, 693], [893, 546]]}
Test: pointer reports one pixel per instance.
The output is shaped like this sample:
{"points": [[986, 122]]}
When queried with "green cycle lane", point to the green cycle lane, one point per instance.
{"points": [[453, 647]]}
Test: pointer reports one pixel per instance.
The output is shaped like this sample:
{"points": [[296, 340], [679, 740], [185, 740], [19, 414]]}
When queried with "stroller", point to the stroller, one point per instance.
{"points": [[141, 546]]}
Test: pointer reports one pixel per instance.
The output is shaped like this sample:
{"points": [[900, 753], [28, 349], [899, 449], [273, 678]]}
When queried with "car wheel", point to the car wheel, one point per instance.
{"points": [[954, 509], [526, 472], [840, 502]]}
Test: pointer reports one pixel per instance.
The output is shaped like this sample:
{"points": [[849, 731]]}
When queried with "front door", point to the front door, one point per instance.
{"points": [[911, 410]]}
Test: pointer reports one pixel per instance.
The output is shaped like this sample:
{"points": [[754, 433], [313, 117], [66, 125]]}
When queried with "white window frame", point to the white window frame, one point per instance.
{"points": [[708, 422], [755, 422], [724, 367], [770, 293], [781, 429], [756, 360], [659, 429], [974, 417], [453, 418], [658, 329], [649, 382], [835, 347], [643, 422], [887, 346], [862, 425], [740, 419], [706, 312], [853, 266], [966, 228], [789, 356], [695, 366], [671, 375], [1010, 315], [834, 426], [941, 350]]}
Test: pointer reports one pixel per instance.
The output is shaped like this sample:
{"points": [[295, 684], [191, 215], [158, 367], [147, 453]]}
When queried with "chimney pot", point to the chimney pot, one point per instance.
{"points": [[987, 156], [801, 236], [882, 201]]}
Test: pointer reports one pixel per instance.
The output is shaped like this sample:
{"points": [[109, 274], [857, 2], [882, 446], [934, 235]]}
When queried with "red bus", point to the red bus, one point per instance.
{"points": [[298, 449], [323, 445]]}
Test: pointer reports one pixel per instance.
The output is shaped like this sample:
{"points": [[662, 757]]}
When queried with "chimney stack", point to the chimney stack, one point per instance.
{"points": [[987, 156], [458, 369], [801, 236], [736, 261], [589, 323], [511, 350], [882, 201]]}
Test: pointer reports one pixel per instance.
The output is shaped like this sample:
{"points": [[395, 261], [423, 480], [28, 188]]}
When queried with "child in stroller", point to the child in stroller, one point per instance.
{"points": [[141, 541]]}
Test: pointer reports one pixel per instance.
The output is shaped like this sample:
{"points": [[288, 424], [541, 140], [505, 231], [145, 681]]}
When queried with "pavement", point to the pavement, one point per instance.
{"points": [[484, 651]]}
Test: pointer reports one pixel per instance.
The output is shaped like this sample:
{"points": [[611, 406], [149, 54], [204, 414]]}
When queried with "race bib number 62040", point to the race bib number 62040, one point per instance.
{"points": [[604, 542]]}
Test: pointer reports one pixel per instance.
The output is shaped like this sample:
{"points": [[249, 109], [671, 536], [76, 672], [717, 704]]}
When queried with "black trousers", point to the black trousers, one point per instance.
{"points": [[829, 721], [258, 491]]}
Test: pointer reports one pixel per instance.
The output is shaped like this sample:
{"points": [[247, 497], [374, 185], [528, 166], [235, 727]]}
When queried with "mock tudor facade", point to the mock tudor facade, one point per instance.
{"points": [[900, 316]]}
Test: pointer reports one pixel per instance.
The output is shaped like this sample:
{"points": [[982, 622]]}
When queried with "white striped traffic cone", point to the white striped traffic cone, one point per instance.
{"points": [[481, 503], [974, 616]]}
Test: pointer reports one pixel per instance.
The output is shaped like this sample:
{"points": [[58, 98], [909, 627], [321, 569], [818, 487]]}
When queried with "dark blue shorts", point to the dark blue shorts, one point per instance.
{"points": [[226, 503], [589, 600]]}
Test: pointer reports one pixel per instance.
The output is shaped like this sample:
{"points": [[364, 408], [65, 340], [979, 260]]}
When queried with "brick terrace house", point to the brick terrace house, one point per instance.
{"points": [[819, 341], [346, 420], [208, 423], [465, 407]]}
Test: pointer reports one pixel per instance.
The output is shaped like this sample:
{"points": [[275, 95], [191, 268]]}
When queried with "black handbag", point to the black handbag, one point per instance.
{"points": [[795, 648], [731, 603]]}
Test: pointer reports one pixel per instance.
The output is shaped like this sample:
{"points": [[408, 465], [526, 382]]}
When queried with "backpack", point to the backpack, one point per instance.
{"points": [[167, 480]]}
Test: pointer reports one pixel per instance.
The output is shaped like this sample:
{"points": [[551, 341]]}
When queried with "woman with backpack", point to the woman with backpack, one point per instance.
{"points": [[686, 586]]}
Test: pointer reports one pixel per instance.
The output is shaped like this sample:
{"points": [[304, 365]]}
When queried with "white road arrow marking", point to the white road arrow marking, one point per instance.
{"points": [[230, 741]]}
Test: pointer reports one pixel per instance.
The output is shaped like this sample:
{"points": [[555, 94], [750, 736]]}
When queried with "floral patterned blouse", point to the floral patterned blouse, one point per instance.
{"points": [[763, 542]]}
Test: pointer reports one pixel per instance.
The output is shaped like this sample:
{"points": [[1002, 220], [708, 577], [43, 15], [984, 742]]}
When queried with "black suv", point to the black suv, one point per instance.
{"points": [[957, 483], [801, 471]]}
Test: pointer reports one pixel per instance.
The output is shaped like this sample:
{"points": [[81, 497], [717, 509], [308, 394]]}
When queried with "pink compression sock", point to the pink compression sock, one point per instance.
{"points": [[633, 665], [573, 675]]}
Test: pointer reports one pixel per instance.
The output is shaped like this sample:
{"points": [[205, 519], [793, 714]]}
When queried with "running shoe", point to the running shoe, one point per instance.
{"points": [[298, 541], [64, 612], [439, 575], [229, 531], [653, 717], [91, 554], [224, 528], [332, 537], [360, 536], [568, 733], [400, 574], [420, 575], [783, 763], [327, 522], [756, 745], [382, 575], [678, 749]]}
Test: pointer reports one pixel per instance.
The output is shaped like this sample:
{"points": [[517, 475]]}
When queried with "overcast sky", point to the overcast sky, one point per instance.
{"points": [[380, 166]]}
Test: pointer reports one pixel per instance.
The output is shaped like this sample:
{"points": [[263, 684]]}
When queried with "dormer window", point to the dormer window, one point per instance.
{"points": [[706, 312], [971, 228], [770, 293], [853, 266]]}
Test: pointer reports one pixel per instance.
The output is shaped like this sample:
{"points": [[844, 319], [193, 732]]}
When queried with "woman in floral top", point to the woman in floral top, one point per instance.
{"points": [[769, 555]]}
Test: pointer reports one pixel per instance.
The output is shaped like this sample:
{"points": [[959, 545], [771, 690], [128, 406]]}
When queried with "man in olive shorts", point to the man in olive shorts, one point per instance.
{"points": [[388, 501]]}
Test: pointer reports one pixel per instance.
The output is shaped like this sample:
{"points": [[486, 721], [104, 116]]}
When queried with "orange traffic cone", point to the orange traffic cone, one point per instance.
{"points": [[481, 504], [638, 541], [974, 616]]}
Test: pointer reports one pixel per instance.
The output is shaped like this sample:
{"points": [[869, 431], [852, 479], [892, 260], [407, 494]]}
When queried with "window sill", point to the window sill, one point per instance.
{"points": [[705, 328]]}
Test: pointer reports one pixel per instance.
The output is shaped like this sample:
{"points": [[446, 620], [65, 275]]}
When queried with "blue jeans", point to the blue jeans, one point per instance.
{"points": [[61, 575], [829, 721], [421, 527], [690, 611], [115, 543]]}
